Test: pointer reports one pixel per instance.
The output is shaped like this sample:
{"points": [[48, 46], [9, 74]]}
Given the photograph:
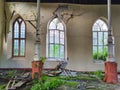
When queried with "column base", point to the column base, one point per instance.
{"points": [[37, 69], [111, 72]]}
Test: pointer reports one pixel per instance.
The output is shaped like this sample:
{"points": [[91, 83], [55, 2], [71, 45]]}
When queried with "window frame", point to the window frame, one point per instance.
{"points": [[19, 37], [48, 41], [103, 45]]}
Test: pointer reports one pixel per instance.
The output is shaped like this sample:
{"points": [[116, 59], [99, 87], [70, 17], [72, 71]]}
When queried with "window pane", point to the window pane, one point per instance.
{"points": [[62, 53], [99, 22], [105, 52], [61, 37], [100, 49], [95, 53], [22, 34], [56, 47], [94, 49], [56, 21], [100, 25], [105, 28], [22, 47], [16, 30], [51, 50], [100, 38], [105, 38], [51, 36], [16, 48], [96, 27], [94, 38], [52, 26], [60, 26], [56, 36], [100, 52], [19, 19]]}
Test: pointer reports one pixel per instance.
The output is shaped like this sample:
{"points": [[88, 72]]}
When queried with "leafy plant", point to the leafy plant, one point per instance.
{"points": [[46, 83], [11, 73], [2, 87], [100, 55], [43, 59], [98, 74], [56, 48], [71, 84], [52, 83]]}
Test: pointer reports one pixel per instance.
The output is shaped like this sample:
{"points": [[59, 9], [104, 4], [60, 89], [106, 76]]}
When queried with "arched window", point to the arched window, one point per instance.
{"points": [[56, 40], [100, 36], [19, 38]]}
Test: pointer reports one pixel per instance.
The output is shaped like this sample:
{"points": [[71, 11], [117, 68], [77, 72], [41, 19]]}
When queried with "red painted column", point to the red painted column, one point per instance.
{"points": [[111, 72], [37, 68]]}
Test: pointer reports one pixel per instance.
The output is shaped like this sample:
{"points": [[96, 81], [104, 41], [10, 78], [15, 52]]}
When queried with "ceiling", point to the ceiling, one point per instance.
{"points": [[93, 2]]}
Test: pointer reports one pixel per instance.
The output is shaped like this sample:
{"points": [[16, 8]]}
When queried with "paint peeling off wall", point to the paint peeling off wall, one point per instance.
{"points": [[79, 20]]}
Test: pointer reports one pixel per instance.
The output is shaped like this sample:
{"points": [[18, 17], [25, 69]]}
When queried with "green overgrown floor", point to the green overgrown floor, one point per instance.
{"points": [[79, 81]]}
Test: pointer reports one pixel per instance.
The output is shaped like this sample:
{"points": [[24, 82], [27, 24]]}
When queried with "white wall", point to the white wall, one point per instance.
{"points": [[79, 34]]}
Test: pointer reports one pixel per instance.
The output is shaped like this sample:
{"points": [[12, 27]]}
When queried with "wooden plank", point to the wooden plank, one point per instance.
{"points": [[10, 85], [19, 84]]}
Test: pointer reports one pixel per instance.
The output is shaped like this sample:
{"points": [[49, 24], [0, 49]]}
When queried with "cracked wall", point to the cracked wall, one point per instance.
{"points": [[78, 19]]}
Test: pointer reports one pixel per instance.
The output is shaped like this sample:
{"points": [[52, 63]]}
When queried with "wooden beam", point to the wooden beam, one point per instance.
{"points": [[31, 24]]}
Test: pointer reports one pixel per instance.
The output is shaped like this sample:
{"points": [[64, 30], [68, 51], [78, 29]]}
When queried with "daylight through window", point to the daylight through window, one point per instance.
{"points": [[100, 36], [19, 37], [56, 39]]}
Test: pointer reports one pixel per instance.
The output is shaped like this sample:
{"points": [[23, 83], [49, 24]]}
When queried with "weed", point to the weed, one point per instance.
{"points": [[98, 74]]}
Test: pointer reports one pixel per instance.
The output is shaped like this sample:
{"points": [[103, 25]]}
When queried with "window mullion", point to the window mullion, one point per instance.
{"points": [[54, 43], [48, 43], [64, 43], [59, 44], [97, 45], [103, 44], [19, 39]]}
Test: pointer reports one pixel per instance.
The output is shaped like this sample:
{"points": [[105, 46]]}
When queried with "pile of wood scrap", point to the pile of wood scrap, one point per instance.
{"points": [[18, 81]]}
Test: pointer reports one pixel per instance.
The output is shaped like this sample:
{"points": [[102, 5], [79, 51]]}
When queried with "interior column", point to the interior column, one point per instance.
{"points": [[36, 63], [110, 64]]}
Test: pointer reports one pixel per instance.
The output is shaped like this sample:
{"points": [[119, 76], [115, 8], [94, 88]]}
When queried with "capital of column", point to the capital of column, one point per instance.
{"points": [[110, 59]]}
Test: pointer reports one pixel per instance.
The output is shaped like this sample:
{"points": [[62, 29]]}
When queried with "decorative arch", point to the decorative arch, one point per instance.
{"points": [[100, 37], [18, 37], [56, 39]]}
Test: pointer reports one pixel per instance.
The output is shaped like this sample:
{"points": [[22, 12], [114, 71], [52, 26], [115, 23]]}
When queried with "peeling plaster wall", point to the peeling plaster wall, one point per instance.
{"points": [[79, 34], [27, 13], [80, 38]]}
